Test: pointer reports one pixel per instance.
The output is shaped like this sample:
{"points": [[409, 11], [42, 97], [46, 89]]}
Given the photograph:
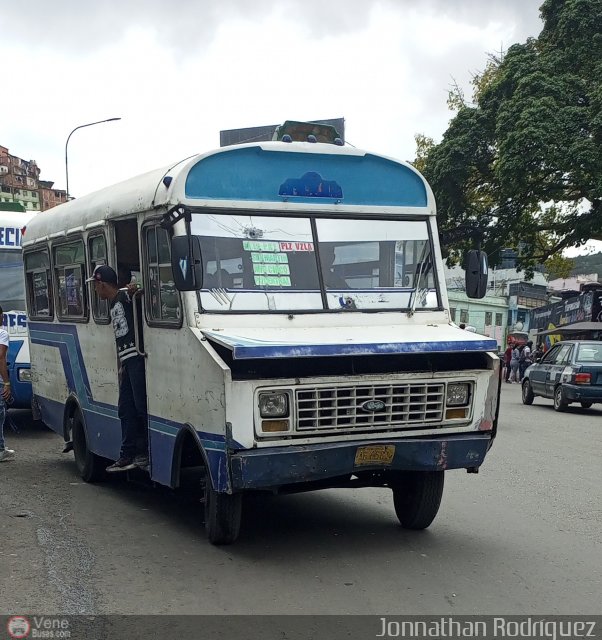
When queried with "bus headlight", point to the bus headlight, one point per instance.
{"points": [[273, 404], [24, 375], [457, 394]]}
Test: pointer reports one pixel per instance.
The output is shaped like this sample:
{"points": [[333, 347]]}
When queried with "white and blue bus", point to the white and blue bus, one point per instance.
{"points": [[12, 300], [296, 328]]}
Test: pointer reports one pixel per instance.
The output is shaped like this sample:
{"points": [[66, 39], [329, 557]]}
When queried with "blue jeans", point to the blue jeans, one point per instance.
{"points": [[132, 408], [2, 416]]}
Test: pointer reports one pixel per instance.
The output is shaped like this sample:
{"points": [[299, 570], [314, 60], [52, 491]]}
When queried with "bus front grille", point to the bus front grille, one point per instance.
{"points": [[370, 406]]}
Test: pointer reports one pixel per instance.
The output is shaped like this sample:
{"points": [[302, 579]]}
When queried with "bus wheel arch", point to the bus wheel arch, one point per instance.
{"points": [[222, 511], [188, 452]]}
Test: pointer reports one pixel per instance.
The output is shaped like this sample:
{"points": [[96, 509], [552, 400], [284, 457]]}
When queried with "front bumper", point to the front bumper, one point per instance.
{"points": [[277, 466]]}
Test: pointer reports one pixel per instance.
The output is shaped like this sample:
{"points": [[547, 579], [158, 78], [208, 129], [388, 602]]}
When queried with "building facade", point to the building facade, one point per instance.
{"points": [[488, 315], [20, 183], [573, 283], [508, 294], [49, 196]]}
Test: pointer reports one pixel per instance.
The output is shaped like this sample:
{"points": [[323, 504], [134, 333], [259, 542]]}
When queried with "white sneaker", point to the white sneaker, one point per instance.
{"points": [[6, 455]]}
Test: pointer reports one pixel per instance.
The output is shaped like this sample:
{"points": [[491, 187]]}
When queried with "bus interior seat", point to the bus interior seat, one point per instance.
{"points": [[221, 279]]}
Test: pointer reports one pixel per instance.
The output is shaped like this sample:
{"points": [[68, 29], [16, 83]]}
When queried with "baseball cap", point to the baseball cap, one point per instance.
{"points": [[104, 273]]}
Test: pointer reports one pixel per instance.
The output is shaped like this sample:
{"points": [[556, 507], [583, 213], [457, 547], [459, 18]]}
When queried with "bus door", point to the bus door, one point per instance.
{"points": [[128, 267]]}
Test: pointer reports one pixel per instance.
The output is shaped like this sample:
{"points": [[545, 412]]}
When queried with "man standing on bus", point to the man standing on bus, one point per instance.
{"points": [[5, 454], [132, 381]]}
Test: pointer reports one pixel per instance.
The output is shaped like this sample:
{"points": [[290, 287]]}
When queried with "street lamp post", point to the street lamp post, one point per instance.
{"points": [[81, 126]]}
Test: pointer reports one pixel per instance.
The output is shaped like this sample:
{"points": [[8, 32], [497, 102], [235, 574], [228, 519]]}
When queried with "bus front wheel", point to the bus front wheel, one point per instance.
{"points": [[223, 513], [416, 497], [91, 467]]}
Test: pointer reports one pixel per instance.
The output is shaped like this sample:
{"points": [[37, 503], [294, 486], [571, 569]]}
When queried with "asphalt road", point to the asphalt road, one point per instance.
{"points": [[521, 537]]}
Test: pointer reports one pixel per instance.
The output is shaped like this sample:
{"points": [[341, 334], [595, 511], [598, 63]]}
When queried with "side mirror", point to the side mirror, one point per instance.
{"points": [[477, 274], [186, 263]]}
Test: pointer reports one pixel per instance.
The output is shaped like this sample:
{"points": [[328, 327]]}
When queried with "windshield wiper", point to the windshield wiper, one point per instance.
{"points": [[424, 268]]}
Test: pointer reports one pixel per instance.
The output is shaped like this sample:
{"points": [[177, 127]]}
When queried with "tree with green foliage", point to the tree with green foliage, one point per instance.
{"points": [[521, 166], [557, 266], [424, 145], [587, 264]]}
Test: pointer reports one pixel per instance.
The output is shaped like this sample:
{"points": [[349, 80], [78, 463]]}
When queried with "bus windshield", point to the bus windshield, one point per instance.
{"points": [[260, 263]]}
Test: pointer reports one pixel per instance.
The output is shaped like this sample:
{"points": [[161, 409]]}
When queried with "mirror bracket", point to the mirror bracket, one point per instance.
{"points": [[175, 214]]}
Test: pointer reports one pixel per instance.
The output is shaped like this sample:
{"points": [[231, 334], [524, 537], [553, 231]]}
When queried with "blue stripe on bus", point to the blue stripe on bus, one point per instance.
{"points": [[65, 339], [314, 350], [245, 348], [14, 346]]}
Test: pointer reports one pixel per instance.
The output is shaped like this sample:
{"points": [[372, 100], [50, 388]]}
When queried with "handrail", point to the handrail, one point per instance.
{"points": [[136, 327]]}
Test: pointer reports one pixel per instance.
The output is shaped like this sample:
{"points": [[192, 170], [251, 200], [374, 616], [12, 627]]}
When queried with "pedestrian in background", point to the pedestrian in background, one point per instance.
{"points": [[6, 395], [507, 359], [525, 360], [514, 365]]}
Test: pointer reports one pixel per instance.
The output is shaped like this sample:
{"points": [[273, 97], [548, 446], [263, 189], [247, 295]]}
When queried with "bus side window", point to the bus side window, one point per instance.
{"points": [[38, 284], [163, 299], [69, 268], [97, 250]]}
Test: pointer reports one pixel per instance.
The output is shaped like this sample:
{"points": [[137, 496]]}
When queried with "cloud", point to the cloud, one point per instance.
{"points": [[177, 73], [190, 24]]}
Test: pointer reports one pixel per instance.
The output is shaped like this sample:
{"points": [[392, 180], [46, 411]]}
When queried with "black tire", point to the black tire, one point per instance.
{"points": [[223, 513], [560, 404], [527, 392], [586, 405], [417, 497], [91, 467]]}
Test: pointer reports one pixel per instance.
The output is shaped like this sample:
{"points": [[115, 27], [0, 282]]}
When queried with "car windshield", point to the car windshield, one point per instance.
{"points": [[260, 263], [589, 352]]}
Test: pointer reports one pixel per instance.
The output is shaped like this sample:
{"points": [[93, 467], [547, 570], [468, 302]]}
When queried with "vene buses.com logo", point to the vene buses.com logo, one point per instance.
{"points": [[18, 627], [48, 627]]}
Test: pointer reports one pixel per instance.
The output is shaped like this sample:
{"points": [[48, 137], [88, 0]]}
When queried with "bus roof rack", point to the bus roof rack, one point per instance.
{"points": [[296, 131]]}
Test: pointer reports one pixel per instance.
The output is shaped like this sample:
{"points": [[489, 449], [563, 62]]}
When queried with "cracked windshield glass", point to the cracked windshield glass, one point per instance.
{"points": [[259, 263]]}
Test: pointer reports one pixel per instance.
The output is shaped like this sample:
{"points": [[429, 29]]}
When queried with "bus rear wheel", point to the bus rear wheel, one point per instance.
{"points": [[91, 467], [223, 512], [416, 497]]}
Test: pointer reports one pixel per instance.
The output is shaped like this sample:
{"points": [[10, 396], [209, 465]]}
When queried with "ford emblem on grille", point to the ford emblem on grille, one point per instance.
{"points": [[372, 406]]}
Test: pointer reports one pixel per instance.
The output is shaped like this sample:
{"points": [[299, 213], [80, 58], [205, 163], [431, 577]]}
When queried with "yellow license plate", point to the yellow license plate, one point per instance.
{"points": [[375, 454]]}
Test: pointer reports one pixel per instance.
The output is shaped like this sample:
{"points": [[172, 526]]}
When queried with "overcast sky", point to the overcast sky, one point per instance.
{"points": [[179, 71]]}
